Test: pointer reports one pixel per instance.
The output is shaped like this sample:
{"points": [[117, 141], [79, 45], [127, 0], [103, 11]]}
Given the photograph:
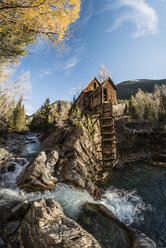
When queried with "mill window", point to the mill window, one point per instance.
{"points": [[94, 85], [105, 94]]}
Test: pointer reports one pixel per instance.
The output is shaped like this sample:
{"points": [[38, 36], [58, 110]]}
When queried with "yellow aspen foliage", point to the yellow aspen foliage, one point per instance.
{"points": [[35, 18]]}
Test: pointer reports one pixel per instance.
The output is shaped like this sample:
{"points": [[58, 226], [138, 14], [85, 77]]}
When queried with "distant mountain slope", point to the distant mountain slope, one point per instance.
{"points": [[128, 88]]}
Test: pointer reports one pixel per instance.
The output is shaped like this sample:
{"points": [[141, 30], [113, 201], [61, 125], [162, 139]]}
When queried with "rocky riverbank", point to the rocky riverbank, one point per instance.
{"points": [[68, 155], [43, 224], [140, 142]]}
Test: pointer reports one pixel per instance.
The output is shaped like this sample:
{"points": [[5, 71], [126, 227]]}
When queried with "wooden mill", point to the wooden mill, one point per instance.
{"points": [[96, 101]]}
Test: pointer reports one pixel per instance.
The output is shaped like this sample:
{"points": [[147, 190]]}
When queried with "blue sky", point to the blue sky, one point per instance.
{"points": [[127, 36]]}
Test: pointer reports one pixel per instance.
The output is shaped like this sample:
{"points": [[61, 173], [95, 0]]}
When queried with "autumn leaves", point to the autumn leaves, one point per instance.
{"points": [[22, 22]]}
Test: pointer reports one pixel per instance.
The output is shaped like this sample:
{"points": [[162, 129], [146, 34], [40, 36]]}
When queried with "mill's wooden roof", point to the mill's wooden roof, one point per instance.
{"points": [[107, 80], [94, 79]]}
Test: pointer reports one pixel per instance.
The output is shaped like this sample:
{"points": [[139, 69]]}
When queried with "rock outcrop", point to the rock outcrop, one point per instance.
{"points": [[5, 156], [113, 233], [39, 174], [79, 163], [43, 224], [141, 240], [139, 141], [138, 239]]}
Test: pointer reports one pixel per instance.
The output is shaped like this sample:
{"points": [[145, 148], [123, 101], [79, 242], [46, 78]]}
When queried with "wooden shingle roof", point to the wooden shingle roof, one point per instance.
{"points": [[107, 80]]}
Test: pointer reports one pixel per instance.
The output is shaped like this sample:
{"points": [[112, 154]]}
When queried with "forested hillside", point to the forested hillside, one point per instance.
{"points": [[128, 88]]}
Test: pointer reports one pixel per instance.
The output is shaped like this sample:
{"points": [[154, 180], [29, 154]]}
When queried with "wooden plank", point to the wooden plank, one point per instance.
{"points": [[106, 125], [106, 118], [108, 139], [108, 133]]}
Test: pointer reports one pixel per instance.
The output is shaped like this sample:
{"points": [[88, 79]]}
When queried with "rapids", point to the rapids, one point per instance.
{"points": [[137, 196]]}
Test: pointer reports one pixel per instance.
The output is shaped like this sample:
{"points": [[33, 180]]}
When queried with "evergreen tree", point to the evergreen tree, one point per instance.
{"points": [[74, 98], [148, 113], [44, 118], [35, 122], [23, 117], [132, 110], [53, 117], [45, 113], [18, 122], [162, 108], [59, 107]]}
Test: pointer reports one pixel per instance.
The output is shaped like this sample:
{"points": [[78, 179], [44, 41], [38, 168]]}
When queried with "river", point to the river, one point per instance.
{"points": [[136, 195], [148, 184]]}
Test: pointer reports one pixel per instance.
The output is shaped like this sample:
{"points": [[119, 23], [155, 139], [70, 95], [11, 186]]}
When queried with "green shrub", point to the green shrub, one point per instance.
{"points": [[90, 128]]}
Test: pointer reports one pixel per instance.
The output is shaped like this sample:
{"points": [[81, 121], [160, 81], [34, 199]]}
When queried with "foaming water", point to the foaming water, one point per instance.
{"points": [[32, 145], [126, 205], [149, 185], [9, 179], [71, 199]]}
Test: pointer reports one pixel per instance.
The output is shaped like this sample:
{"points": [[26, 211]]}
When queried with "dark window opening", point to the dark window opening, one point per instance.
{"points": [[95, 85], [105, 94], [95, 95]]}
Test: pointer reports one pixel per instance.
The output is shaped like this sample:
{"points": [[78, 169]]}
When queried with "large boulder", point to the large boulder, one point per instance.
{"points": [[110, 231], [138, 239], [5, 157], [141, 240], [45, 225], [79, 163], [39, 174]]}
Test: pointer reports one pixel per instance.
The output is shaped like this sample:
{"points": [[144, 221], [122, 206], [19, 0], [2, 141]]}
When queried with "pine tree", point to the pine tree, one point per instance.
{"points": [[45, 113], [59, 107], [43, 119], [23, 117], [148, 113], [132, 110], [18, 122]]}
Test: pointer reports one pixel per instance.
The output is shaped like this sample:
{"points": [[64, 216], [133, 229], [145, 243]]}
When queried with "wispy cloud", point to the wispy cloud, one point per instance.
{"points": [[87, 11], [140, 13], [44, 73], [72, 62]]}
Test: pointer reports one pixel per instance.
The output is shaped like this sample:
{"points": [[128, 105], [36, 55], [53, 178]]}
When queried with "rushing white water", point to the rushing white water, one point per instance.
{"points": [[32, 145], [127, 206], [71, 199]]}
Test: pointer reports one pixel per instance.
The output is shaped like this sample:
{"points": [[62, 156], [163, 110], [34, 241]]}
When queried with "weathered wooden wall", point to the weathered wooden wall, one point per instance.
{"points": [[91, 85], [111, 93], [96, 99]]}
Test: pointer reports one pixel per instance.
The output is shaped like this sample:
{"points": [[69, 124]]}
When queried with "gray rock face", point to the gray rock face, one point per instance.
{"points": [[20, 210], [39, 174], [78, 163], [5, 156], [138, 239], [142, 241], [45, 225]]}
